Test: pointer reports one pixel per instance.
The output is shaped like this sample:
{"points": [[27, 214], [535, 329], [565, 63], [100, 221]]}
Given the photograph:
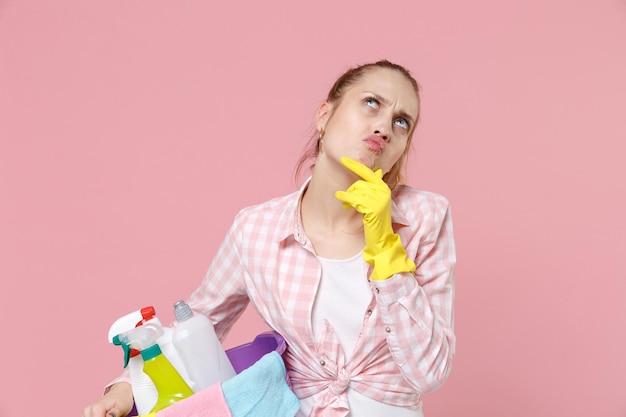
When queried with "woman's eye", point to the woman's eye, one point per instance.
{"points": [[371, 102], [402, 123]]}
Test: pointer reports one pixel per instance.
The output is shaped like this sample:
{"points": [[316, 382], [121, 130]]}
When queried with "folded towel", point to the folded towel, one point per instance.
{"points": [[209, 402], [261, 390], [258, 391]]}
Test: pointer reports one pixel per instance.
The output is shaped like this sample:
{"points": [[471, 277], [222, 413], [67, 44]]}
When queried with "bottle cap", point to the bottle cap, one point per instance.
{"points": [[182, 311]]}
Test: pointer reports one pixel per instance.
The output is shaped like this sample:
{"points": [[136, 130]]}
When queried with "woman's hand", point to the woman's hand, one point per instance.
{"points": [[117, 402], [371, 197]]}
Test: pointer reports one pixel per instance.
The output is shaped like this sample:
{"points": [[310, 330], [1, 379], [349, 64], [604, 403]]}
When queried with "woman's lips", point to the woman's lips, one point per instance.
{"points": [[375, 143]]}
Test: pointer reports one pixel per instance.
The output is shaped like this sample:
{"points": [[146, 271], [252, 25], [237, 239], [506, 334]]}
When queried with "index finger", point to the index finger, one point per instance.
{"points": [[361, 170]]}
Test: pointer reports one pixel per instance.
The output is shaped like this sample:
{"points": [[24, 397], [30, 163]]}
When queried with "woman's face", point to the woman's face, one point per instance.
{"points": [[372, 122]]}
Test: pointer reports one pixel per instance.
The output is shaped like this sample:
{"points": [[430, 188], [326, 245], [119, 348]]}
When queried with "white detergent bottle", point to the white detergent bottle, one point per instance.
{"points": [[197, 344]]}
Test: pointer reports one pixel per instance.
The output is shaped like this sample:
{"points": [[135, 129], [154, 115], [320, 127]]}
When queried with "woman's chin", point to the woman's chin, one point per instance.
{"points": [[368, 159]]}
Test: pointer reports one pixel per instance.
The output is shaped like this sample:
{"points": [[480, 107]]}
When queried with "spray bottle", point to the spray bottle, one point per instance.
{"points": [[144, 391], [171, 387], [197, 344], [138, 318]]}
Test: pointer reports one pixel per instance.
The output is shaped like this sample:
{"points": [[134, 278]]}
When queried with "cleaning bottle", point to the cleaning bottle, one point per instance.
{"points": [[144, 392], [171, 387], [171, 354], [197, 344]]}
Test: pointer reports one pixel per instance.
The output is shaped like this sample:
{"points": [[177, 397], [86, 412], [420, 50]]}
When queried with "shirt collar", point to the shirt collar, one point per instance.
{"points": [[291, 223]]}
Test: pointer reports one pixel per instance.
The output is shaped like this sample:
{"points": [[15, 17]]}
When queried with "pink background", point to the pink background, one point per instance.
{"points": [[132, 132]]}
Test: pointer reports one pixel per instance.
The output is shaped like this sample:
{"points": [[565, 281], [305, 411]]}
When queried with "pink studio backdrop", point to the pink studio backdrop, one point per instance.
{"points": [[132, 132]]}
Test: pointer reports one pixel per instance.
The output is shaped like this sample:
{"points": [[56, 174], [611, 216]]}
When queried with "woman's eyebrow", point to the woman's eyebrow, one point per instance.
{"points": [[386, 102]]}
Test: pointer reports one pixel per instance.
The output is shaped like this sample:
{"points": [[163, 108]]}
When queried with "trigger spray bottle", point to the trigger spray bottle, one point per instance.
{"points": [[170, 386], [144, 392]]}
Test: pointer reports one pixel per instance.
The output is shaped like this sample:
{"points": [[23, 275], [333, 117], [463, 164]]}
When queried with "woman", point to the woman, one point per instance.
{"points": [[354, 270]]}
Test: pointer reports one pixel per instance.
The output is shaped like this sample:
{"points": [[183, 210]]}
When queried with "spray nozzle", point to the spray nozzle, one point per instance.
{"points": [[139, 338], [131, 320]]}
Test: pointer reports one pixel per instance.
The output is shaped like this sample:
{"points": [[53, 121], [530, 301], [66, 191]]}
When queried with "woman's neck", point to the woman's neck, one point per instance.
{"points": [[320, 208]]}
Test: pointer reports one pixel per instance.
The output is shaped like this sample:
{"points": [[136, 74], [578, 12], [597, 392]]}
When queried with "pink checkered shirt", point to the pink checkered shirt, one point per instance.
{"points": [[407, 341]]}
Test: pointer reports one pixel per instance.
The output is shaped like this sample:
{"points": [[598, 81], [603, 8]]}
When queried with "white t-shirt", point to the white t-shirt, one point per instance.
{"points": [[342, 299]]}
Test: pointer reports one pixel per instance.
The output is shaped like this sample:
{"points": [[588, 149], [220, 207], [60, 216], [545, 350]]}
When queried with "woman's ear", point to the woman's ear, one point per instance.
{"points": [[322, 116]]}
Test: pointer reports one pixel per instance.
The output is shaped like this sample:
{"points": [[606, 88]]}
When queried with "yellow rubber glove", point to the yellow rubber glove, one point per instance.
{"points": [[371, 197]]}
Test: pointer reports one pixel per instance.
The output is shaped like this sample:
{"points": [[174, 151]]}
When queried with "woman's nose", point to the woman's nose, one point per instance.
{"points": [[383, 127], [382, 133]]}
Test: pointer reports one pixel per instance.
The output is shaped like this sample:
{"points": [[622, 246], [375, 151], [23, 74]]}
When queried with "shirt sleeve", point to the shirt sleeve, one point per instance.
{"points": [[417, 309], [124, 377], [222, 295]]}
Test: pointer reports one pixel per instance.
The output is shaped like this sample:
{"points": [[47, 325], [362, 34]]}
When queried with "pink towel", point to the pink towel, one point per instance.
{"points": [[209, 402]]}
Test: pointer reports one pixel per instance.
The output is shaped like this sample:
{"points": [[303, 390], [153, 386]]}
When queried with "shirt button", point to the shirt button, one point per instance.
{"points": [[377, 291], [388, 329], [322, 362], [369, 312]]}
